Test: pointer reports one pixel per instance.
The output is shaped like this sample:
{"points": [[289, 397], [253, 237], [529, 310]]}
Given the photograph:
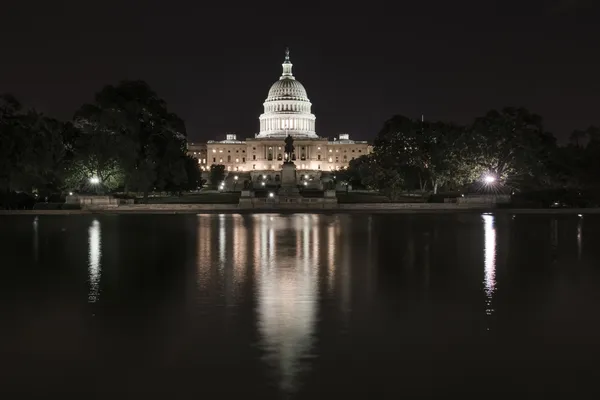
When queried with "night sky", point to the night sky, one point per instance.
{"points": [[213, 62]]}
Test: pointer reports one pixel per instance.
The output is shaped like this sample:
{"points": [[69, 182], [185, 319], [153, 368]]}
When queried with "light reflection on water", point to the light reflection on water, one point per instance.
{"points": [[489, 261], [94, 255], [318, 303], [36, 238], [287, 295], [579, 238]]}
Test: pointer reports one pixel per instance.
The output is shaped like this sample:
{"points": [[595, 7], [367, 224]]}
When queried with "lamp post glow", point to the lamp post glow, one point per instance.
{"points": [[489, 179], [94, 180]]}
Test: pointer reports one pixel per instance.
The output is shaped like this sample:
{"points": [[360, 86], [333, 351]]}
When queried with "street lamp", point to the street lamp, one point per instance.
{"points": [[235, 179], [95, 181], [489, 179]]}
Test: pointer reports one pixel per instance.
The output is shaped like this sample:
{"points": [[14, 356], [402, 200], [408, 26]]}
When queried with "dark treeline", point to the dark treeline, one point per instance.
{"points": [[126, 140], [509, 147]]}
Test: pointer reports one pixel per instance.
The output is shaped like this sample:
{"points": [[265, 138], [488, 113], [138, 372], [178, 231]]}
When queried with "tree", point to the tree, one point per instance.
{"points": [[96, 152], [217, 175], [151, 140], [10, 122], [356, 171], [423, 152], [510, 144], [34, 149], [194, 175]]}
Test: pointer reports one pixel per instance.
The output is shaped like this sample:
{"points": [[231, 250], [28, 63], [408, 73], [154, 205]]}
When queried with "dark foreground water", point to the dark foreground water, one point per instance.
{"points": [[299, 306]]}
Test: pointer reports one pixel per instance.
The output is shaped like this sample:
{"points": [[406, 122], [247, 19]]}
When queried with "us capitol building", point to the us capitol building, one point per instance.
{"points": [[287, 111]]}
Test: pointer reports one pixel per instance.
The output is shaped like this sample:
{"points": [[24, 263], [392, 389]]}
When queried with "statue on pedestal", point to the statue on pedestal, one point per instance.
{"points": [[289, 148]]}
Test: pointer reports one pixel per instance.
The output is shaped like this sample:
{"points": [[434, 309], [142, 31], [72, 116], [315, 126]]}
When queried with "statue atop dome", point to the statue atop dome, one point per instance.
{"points": [[287, 54], [289, 148]]}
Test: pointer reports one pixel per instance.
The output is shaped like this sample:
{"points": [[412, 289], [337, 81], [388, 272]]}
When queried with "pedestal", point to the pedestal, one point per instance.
{"points": [[289, 185]]}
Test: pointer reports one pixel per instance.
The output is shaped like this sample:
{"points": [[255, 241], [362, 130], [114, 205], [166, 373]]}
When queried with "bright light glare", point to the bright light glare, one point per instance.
{"points": [[263, 184], [70, 193], [489, 179], [271, 194], [235, 177], [94, 180], [305, 183]]}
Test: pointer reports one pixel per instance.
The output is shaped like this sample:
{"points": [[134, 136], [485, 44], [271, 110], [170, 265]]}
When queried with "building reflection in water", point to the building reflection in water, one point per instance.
{"points": [[287, 292], [489, 260], [331, 249], [94, 255], [36, 238], [579, 238], [222, 243], [221, 253]]}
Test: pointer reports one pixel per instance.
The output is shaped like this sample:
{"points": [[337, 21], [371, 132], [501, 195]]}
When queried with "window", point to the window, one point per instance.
{"points": [[220, 160], [214, 159], [229, 151], [244, 159], [221, 150], [337, 159], [319, 166], [228, 158], [353, 150], [253, 166], [254, 156], [330, 150], [319, 157], [254, 148], [237, 160], [237, 151], [359, 151], [330, 159], [214, 151]]}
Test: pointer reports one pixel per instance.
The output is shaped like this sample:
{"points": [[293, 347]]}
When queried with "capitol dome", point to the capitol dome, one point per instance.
{"points": [[287, 108], [287, 89]]}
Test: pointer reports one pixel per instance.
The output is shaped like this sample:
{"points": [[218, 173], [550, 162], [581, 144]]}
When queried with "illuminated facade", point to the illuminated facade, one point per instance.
{"points": [[287, 111]]}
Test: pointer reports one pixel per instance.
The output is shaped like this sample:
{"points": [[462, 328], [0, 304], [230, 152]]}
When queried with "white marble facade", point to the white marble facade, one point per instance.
{"points": [[287, 111]]}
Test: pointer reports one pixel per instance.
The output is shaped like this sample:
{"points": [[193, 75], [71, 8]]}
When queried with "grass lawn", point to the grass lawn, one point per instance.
{"points": [[202, 198], [361, 197]]}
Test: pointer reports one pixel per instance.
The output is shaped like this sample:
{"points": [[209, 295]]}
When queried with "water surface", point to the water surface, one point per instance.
{"points": [[299, 306]]}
